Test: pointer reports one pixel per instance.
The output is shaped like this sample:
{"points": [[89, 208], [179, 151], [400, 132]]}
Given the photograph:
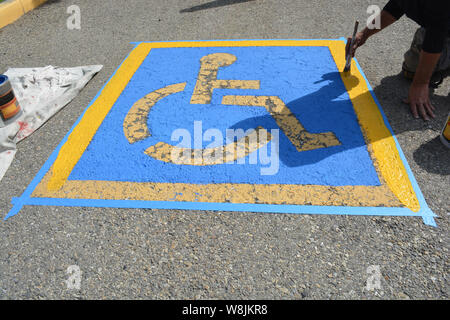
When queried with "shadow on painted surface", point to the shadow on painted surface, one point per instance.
{"points": [[432, 156], [306, 107]]}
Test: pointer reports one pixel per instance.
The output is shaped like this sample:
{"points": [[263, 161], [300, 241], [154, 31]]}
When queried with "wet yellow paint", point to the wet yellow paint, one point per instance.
{"points": [[286, 120], [135, 129], [83, 133], [381, 146], [354, 196], [379, 139], [207, 78], [135, 124], [212, 156]]}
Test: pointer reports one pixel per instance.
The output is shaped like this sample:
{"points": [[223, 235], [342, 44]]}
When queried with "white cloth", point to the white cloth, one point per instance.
{"points": [[41, 92]]}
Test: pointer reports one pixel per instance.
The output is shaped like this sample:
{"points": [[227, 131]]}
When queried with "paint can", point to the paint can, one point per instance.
{"points": [[445, 135], [9, 106]]}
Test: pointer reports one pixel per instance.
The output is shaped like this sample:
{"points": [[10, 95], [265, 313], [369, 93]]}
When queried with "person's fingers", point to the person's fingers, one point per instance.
{"points": [[414, 111], [347, 46], [356, 45], [350, 49], [423, 113], [430, 109], [349, 42]]}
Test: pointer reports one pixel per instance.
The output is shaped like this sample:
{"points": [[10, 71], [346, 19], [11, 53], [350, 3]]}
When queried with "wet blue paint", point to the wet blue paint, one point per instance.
{"points": [[305, 78]]}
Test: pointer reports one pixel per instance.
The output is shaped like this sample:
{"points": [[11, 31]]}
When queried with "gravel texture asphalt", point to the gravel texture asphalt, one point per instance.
{"points": [[168, 254]]}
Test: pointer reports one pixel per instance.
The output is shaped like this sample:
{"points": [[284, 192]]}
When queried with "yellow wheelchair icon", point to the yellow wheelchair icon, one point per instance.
{"points": [[135, 124]]}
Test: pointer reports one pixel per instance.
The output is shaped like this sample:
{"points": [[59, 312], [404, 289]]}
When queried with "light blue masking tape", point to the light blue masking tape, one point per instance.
{"points": [[268, 208]]}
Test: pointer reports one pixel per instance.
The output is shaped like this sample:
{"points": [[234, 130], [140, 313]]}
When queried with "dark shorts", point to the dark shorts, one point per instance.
{"points": [[413, 54]]}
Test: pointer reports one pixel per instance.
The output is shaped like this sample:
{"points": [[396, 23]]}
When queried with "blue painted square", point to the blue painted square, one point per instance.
{"points": [[305, 78]]}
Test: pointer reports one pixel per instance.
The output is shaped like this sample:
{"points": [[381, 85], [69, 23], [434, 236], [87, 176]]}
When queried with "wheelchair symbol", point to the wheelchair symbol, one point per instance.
{"points": [[135, 124]]}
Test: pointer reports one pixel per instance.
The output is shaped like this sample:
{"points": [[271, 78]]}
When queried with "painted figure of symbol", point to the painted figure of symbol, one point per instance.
{"points": [[136, 129]]}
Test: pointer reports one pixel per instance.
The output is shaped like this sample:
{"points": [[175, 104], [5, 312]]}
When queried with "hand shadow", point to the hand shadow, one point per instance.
{"points": [[314, 111], [330, 103]]}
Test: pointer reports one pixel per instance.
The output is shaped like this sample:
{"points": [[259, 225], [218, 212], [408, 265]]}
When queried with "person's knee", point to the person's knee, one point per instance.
{"points": [[412, 56], [444, 61]]}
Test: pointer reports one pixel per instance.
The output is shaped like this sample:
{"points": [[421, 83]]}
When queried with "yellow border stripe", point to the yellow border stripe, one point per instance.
{"points": [[11, 11], [82, 134], [380, 141], [29, 5], [316, 195], [240, 43]]}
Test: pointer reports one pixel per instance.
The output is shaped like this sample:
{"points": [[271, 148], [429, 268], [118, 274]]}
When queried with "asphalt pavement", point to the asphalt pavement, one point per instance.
{"points": [[170, 254]]}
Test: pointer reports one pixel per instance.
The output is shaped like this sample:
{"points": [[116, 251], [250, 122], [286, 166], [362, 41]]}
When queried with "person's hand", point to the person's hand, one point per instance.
{"points": [[360, 39], [419, 101]]}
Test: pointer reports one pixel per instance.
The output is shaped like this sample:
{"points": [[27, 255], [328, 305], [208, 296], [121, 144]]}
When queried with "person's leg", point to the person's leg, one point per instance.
{"points": [[444, 61], [412, 56], [443, 66]]}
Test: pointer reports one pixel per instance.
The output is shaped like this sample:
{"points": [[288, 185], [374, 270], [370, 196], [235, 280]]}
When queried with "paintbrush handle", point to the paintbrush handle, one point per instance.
{"points": [[352, 42]]}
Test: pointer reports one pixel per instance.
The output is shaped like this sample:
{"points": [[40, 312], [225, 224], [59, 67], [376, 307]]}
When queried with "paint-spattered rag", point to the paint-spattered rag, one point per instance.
{"points": [[41, 92]]}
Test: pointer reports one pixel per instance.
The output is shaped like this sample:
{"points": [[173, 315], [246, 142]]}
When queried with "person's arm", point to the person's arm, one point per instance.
{"points": [[386, 19], [418, 97], [436, 32], [391, 12]]}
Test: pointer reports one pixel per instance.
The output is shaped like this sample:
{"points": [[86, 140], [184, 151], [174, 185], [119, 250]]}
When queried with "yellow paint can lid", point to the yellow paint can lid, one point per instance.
{"points": [[445, 135]]}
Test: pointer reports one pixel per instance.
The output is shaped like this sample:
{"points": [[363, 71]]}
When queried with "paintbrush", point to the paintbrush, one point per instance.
{"points": [[348, 55]]}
